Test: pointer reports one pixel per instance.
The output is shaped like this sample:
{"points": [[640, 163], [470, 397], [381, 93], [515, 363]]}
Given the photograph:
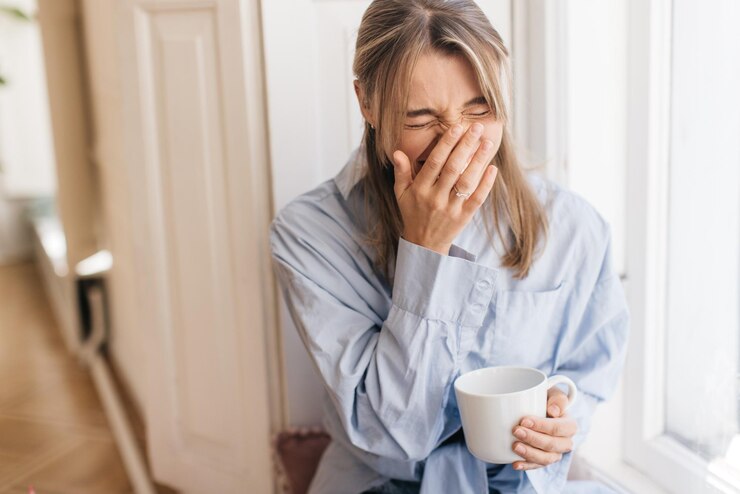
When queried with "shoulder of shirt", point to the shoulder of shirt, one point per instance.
{"points": [[567, 210], [314, 215]]}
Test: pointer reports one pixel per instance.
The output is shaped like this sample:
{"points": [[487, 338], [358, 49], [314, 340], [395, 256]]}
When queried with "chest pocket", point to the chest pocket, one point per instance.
{"points": [[528, 325]]}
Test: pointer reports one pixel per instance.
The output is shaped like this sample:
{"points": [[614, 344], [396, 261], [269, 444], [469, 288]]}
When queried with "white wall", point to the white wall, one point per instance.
{"points": [[26, 152], [596, 106]]}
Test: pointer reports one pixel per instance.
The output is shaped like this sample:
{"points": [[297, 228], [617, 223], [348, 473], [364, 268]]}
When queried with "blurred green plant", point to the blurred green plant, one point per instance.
{"points": [[14, 12], [18, 15]]}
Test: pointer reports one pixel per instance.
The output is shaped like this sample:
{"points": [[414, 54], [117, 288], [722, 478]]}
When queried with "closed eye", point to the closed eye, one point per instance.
{"points": [[420, 126], [478, 114], [466, 115]]}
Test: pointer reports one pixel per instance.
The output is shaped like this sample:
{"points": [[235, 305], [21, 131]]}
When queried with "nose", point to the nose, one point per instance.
{"points": [[444, 125]]}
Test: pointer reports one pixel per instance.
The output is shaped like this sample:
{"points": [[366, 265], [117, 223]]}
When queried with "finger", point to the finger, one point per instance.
{"points": [[484, 188], [557, 402], [402, 173], [561, 427], [471, 177], [459, 159], [534, 455], [542, 441], [436, 160], [523, 465]]}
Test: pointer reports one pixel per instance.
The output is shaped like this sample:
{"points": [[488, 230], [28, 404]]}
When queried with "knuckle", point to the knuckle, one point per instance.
{"points": [[449, 140], [554, 392], [471, 140], [479, 161], [438, 203], [475, 201], [454, 168], [464, 185], [485, 150], [448, 173], [434, 162]]}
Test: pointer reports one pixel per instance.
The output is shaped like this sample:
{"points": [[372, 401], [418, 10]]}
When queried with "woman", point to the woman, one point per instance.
{"points": [[432, 254]]}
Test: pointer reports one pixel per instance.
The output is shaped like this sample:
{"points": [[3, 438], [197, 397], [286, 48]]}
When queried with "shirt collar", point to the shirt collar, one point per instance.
{"points": [[353, 171]]}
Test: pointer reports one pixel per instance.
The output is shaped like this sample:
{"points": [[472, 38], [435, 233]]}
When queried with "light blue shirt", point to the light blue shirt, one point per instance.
{"points": [[388, 355]]}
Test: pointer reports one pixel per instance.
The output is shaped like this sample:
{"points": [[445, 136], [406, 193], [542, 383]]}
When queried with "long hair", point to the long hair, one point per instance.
{"points": [[392, 36]]}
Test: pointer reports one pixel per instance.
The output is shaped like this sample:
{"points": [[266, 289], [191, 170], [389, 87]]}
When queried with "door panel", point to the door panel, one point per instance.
{"points": [[195, 129]]}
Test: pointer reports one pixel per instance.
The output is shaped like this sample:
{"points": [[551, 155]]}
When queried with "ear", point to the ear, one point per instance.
{"points": [[364, 103]]}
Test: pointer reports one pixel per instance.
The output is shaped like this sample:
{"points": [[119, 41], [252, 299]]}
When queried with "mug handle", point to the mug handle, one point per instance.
{"points": [[572, 390]]}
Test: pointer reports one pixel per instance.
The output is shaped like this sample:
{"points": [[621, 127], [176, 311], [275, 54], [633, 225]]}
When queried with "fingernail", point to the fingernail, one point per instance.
{"points": [[528, 423], [554, 411], [486, 145], [456, 130], [477, 129], [520, 449], [519, 467], [520, 433]]}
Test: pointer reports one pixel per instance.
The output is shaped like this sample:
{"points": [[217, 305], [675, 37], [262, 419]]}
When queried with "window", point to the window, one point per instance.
{"points": [[703, 261], [683, 253]]}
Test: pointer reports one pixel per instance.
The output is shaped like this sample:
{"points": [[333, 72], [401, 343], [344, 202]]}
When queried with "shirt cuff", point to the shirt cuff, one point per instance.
{"points": [[448, 288], [456, 251]]}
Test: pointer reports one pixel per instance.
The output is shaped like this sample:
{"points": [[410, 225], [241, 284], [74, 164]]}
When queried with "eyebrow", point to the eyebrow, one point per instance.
{"points": [[478, 100]]}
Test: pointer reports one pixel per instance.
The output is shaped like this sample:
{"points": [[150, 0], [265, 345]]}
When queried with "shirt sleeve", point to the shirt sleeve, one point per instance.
{"points": [[389, 378], [594, 360], [596, 355]]}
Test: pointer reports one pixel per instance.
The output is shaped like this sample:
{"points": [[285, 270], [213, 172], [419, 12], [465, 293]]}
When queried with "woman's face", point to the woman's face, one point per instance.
{"points": [[444, 91]]}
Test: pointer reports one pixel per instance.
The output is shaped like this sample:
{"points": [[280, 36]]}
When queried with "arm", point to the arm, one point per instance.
{"points": [[388, 379], [389, 376], [594, 360]]}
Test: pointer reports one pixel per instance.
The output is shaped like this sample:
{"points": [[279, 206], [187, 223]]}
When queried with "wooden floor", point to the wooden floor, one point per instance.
{"points": [[53, 431]]}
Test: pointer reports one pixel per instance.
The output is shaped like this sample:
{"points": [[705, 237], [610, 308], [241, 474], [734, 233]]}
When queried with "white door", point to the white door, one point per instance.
{"points": [[314, 124], [195, 148]]}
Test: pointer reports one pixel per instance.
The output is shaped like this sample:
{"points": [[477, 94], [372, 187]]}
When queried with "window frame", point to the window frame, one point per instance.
{"points": [[647, 447]]}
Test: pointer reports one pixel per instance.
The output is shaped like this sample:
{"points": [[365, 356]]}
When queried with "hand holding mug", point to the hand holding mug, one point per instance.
{"points": [[543, 441], [499, 403]]}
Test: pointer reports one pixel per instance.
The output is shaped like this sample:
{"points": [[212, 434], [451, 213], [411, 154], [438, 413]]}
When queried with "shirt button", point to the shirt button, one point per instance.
{"points": [[483, 285]]}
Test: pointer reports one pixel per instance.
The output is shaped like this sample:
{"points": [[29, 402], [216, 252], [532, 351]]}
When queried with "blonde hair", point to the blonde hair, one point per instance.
{"points": [[392, 36]]}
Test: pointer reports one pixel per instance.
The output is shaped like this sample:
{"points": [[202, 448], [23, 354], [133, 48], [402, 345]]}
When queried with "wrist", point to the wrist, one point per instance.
{"points": [[443, 249]]}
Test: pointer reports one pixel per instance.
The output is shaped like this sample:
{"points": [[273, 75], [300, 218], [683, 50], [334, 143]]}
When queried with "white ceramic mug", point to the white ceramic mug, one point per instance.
{"points": [[493, 400]]}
